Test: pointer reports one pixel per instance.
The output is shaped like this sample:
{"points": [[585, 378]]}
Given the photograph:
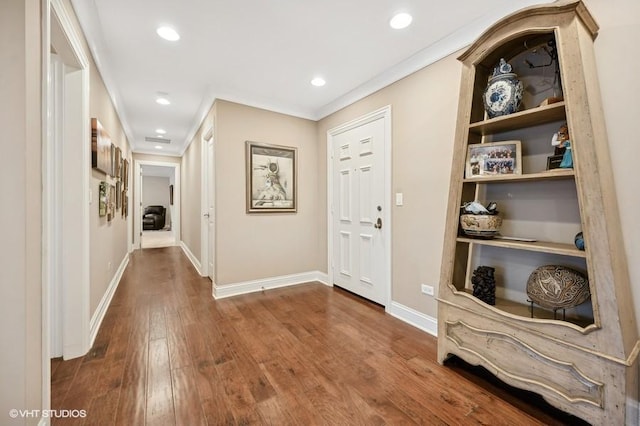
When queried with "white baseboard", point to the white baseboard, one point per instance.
{"points": [[101, 310], [194, 260], [411, 316], [236, 289], [323, 277]]}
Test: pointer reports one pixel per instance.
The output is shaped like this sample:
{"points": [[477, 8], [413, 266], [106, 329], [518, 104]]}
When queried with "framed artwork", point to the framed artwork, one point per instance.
{"points": [[272, 172], [171, 194], [111, 203], [102, 199], [125, 202], [117, 163], [125, 174], [100, 147], [492, 159], [118, 195]]}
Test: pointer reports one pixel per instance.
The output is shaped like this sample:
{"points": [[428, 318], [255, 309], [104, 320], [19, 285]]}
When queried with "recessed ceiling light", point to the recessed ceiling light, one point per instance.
{"points": [[162, 101], [158, 147], [400, 20], [318, 82], [168, 33], [161, 131]]}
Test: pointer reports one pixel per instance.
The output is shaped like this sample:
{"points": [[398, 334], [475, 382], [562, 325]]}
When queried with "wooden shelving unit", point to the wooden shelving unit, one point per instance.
{"points": [[562, 249], [588, 365], [540, 176], [538, 115]]}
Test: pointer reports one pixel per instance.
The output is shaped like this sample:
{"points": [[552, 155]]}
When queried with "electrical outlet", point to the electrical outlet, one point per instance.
{"points": [[427, 289]]}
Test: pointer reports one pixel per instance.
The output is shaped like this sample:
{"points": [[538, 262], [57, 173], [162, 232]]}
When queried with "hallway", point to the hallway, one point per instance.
{"points": [[168, 353]]}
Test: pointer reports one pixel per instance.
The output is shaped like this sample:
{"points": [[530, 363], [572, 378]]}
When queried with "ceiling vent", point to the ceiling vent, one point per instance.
{"points": [[157, 140]]}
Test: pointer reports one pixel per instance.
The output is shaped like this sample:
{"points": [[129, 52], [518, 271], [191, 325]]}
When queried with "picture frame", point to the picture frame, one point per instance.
{"points": [[125, 204], [553, 161], [118, 195], [125, 174], [171, 195], [103, 199], [117, 163], [272, 172], [113, 160], [111, 200], [486, 160], [125, 201], [100, 147]]}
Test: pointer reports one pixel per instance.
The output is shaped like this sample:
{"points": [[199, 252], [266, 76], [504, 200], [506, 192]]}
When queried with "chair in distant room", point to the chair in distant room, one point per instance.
{"points": [[153, 218]]}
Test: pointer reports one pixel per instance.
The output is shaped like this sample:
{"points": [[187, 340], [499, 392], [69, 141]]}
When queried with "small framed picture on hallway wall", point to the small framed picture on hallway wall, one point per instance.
{"points": [[272, 172]]}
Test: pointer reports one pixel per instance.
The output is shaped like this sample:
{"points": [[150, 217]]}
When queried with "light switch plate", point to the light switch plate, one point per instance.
{"points": [[399, 199]]}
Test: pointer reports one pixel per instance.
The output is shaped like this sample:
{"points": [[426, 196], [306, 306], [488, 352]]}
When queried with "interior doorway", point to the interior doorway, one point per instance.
{"points": [[156, 204], [66, 165], [207, 243]]}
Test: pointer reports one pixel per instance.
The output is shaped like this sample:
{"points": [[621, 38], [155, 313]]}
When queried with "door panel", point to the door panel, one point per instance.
{"points": [[358, 200]]}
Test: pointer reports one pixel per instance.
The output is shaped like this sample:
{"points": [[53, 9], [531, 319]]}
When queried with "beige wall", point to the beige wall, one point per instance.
{"points": [[253, 246], [108, 239], [424, 107], [423, 112], [618, 63], [190, 181], [20, 182]]}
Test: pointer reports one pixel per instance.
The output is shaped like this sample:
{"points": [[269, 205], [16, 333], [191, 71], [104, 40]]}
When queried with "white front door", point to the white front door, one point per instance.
{"points": [[211, 209], [359, 216]]}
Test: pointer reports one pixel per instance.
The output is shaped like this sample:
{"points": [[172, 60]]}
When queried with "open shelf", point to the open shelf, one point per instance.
{"points": [[539, 246], [519, 120], [523, 309], [540, 176]]}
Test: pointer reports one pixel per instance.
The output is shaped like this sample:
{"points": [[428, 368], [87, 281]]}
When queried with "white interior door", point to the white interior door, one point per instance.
{"points": [[359, 216], [211, 210]]}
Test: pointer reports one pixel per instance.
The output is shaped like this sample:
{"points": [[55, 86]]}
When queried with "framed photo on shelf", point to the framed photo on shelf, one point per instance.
{"points": [[492, 159], [271, 178]]}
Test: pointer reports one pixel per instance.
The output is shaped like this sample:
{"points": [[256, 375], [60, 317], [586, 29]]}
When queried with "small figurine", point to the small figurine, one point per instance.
{"points": [[562, 145]]}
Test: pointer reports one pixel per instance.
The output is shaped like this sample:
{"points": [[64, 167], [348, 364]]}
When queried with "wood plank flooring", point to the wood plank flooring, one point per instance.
{"points": [[168, 353]]}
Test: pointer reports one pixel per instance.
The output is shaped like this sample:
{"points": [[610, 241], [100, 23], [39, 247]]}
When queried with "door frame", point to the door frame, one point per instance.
{"points": [[137, 200], [207, 168], [385, 114], [74, 176]]}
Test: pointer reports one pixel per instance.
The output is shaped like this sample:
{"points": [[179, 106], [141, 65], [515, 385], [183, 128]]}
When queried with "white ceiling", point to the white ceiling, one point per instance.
{"points": [[264, 53]]}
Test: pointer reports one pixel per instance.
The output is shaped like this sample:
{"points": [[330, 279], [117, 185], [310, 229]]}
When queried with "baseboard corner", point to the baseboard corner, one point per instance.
{"points": [[194, 260], [412, 317]]}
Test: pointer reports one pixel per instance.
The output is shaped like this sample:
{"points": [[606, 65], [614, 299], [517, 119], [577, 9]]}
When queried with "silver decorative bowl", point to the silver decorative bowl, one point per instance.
{"points": [[556, 287], [481, 225]]}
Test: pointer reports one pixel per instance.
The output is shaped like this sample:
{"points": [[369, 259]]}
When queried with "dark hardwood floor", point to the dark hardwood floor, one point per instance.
{"points": [[168, 353]]}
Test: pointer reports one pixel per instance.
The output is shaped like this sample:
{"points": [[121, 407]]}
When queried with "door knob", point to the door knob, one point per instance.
{"points": [[378, 224]]}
